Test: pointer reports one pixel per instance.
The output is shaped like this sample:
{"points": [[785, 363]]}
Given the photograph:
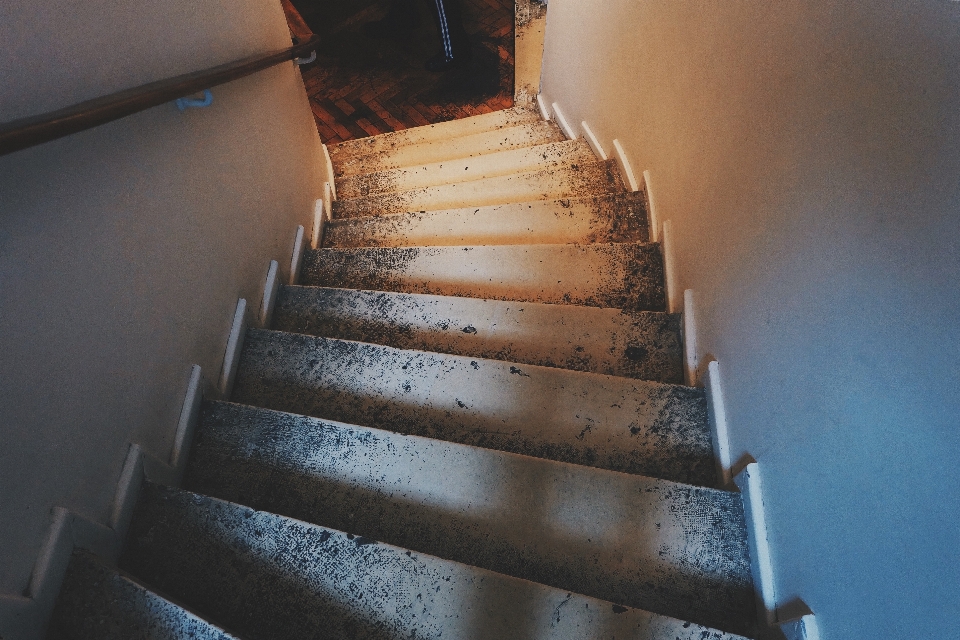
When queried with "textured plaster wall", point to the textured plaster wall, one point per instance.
{"points": [[123, 249], [808, 154]]}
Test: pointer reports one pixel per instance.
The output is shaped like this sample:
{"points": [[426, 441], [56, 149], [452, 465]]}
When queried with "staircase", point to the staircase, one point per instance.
{"points": [[466, 422]]}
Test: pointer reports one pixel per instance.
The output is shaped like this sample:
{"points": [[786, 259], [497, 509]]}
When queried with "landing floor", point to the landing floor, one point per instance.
{"points": [[361, 87]]}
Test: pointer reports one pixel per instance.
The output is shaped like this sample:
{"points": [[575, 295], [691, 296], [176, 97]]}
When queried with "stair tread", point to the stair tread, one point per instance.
{"points": [[511, 137], [617, 275], [577, 180], [602, 421], [97, 601], [459, 169], [386, 142], [567, 526], [273, 576], [643, 345], [615, 217]]}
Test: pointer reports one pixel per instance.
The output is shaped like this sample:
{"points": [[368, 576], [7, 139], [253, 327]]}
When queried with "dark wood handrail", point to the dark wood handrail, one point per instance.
{"points": [[34, 130]]}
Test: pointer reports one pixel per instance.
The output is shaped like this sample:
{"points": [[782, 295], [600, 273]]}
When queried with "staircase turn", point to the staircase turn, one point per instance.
{"points": [[466, 421]]}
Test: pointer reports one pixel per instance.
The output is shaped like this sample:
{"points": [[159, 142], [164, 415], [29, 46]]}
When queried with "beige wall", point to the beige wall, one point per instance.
{"points": [[808, 156], [123, 249]]}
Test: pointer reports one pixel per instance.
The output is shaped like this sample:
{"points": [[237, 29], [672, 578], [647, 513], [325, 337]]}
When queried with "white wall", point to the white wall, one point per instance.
{"points": [[123, 249], [808, 154]]}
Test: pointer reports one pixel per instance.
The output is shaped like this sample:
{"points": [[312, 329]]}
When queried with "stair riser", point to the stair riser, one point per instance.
{"points": [[278, 578], [548, 157], [643, 346], [473, 145], [610, 218], [444, 131], [566, 526], [601, 421], [620, 276], [97, 603], [587, 179]]}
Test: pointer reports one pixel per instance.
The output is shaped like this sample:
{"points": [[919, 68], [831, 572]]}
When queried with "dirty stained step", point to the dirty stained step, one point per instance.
{"points": [[614, 217], [275, 577], [577, 180], [634, 426], [544, 157], [97, 602], [389, 142], [526, 135], [657, 545], [644, 345], [617, 275]]}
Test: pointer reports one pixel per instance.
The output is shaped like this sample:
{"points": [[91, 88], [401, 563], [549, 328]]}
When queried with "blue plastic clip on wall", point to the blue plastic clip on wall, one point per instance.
{"points": [[184, 103]]}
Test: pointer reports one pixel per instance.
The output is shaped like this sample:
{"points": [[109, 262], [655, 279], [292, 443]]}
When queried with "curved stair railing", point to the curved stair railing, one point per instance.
{"points": [[35, 130]]}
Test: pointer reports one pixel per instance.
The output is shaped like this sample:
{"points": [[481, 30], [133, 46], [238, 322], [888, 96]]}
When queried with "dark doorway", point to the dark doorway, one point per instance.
{"points": [[361, 86]]}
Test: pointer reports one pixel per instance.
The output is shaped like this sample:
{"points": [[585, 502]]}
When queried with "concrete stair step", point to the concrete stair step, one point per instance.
{"points": [[516, 137], [644, 345], [622, 276], [620, 217], [387, 143], [97, 602], [578, 180], [275, 577], [567, 526], [460, 169], [607, 422]]}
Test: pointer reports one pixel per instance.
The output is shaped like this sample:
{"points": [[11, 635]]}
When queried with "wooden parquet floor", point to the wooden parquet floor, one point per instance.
{"points": [[361, 87]]}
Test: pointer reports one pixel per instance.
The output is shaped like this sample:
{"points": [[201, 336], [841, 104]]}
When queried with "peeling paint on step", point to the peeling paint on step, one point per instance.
{"points": [[641, 345], [575, 181], [387, 142], [526, 135], [615, 217], [96, 602], [623, 276], [566, 526], [279, 578], [601, 421], [550, 156]]}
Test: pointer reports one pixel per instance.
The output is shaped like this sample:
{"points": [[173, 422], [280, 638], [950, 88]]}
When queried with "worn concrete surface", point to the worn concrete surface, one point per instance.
{"points": [[611, 217], [274, 577], [622, 276], [602, 421], [526, 135], [444, 131], [573, 181], [552, 155], [661, 546], [643, 345], [99, 603]]}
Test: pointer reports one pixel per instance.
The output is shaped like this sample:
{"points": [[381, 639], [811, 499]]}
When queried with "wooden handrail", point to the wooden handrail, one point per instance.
{"points": [[34, 130], [299, 28]]}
